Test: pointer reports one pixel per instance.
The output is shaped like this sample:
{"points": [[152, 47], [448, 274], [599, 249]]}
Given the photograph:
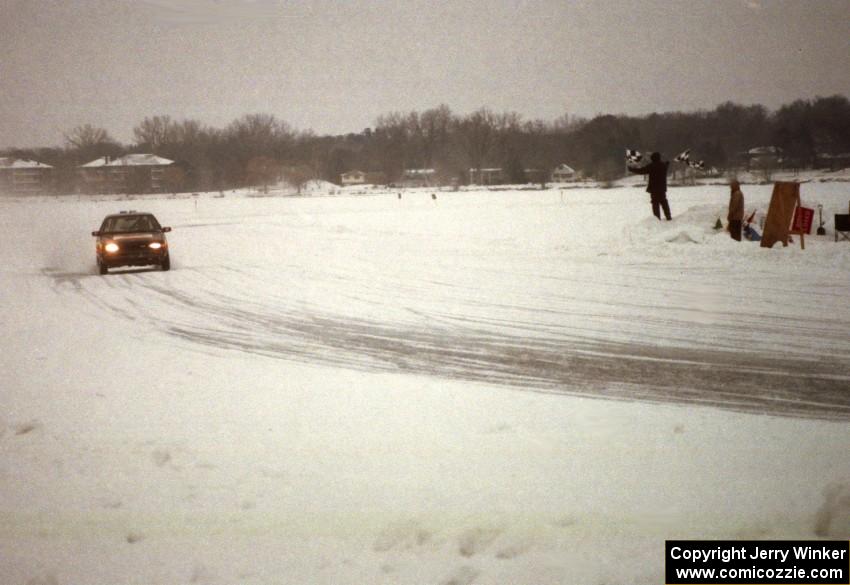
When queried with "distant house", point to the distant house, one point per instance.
{"points": [[23, 176], [362, 178], [563, 173], [419, 178], [762, 157], [353, 178], [833, 162], [493, 176], [131, 173]]}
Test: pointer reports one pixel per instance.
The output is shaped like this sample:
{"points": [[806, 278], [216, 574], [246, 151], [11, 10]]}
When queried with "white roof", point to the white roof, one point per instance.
{"points": [[130, 160], [21, 163], [565, 168], [411, 172], [765, 150]]}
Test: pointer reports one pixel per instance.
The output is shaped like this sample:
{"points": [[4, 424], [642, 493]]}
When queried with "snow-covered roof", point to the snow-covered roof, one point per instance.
{"points": [[765, 150], [21, 163], [415, 172], [350, 173], [129, 160], [564, 168]]}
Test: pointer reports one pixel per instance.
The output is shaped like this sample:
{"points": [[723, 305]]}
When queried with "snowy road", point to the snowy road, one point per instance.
{"points": [[383, 285], [223, 308]]}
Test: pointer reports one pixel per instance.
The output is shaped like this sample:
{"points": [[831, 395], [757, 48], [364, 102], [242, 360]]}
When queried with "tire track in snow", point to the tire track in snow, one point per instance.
{"points": [[500, 345], [731, 379]]}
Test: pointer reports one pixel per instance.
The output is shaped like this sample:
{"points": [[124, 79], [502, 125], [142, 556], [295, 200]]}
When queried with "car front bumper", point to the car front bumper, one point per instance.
{"points": [[145, 258]]}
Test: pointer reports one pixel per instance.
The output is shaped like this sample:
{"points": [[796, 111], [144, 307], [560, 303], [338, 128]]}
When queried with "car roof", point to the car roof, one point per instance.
{"points": [[126, 213]]}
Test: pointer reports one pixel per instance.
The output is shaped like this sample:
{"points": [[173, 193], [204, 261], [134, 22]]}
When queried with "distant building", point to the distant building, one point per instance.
{"points": [[24, 176], [362, 178], [353, 178], [419, 178], [131, 173], [563, 173], [493, 176], [762, 157], [833, 162]]}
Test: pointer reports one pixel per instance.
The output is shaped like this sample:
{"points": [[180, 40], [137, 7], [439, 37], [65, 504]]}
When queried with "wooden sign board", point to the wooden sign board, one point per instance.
{"points": [[780, 213]]}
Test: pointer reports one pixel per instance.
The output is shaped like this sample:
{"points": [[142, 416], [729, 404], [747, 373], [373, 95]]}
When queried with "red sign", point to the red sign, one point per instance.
{"points": [[802, 223]]}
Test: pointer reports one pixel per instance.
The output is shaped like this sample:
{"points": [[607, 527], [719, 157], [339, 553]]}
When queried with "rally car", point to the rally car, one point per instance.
{"points": [[131, 238]]}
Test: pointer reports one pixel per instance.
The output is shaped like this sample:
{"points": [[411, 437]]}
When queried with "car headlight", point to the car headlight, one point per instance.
{"points": [[111, 247], [155, 245]]}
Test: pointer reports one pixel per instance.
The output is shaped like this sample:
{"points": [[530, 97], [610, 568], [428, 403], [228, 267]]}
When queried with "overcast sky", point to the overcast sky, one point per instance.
{"points": [[334, 66]]}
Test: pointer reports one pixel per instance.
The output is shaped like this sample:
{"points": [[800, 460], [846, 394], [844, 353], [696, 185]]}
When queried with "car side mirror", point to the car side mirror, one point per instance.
{"points": [[95, 234], [166, 229]]}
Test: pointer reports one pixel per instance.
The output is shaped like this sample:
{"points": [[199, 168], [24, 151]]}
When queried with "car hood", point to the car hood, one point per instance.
{"points": [[154, 237]]}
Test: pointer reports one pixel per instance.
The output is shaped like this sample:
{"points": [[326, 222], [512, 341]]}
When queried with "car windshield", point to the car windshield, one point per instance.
{"points": [[130, 224]]}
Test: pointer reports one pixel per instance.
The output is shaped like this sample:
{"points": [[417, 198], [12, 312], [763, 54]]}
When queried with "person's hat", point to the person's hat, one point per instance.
{"points": [[656, 156]]}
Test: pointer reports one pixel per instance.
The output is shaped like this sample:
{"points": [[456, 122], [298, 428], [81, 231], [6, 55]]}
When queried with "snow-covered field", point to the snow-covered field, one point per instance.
{"points": [[525, 387]]}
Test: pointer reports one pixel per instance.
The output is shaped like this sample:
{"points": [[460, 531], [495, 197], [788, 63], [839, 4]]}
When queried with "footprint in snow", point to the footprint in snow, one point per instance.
{"points": [[476, 539], [402, 536], [513, 551], [27, 427], [462, 576], [161, 457], [833, 517]]}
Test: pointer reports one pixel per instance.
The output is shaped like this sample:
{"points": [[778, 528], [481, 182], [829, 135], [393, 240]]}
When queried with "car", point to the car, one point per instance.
{"points": [[131, 238]]}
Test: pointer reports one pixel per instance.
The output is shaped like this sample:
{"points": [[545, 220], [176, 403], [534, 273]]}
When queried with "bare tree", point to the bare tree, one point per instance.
{"points": [[86, 143], [260, 135], [156, 132], [391, 141], [298, 176], [190, 132], [435, 125], [566, 123], [477, 135], [86, 136], [262, 170]]}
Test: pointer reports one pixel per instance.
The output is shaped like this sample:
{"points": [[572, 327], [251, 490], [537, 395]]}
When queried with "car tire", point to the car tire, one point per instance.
{"points": [[102, 268], [166, 263]]}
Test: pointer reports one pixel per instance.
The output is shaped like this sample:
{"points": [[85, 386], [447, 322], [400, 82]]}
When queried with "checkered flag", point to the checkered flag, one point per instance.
{"points": [[685, 157], [633, 157]]}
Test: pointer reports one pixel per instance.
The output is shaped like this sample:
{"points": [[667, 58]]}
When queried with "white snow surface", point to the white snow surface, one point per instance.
{"points": [[524, 387]]}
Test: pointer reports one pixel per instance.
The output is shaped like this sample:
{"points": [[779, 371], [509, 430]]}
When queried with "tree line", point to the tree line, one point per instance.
{"points": [[257, 149]]}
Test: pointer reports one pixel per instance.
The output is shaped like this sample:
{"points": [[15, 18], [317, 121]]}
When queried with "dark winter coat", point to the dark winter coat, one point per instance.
{"points": [[657, 171]]}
